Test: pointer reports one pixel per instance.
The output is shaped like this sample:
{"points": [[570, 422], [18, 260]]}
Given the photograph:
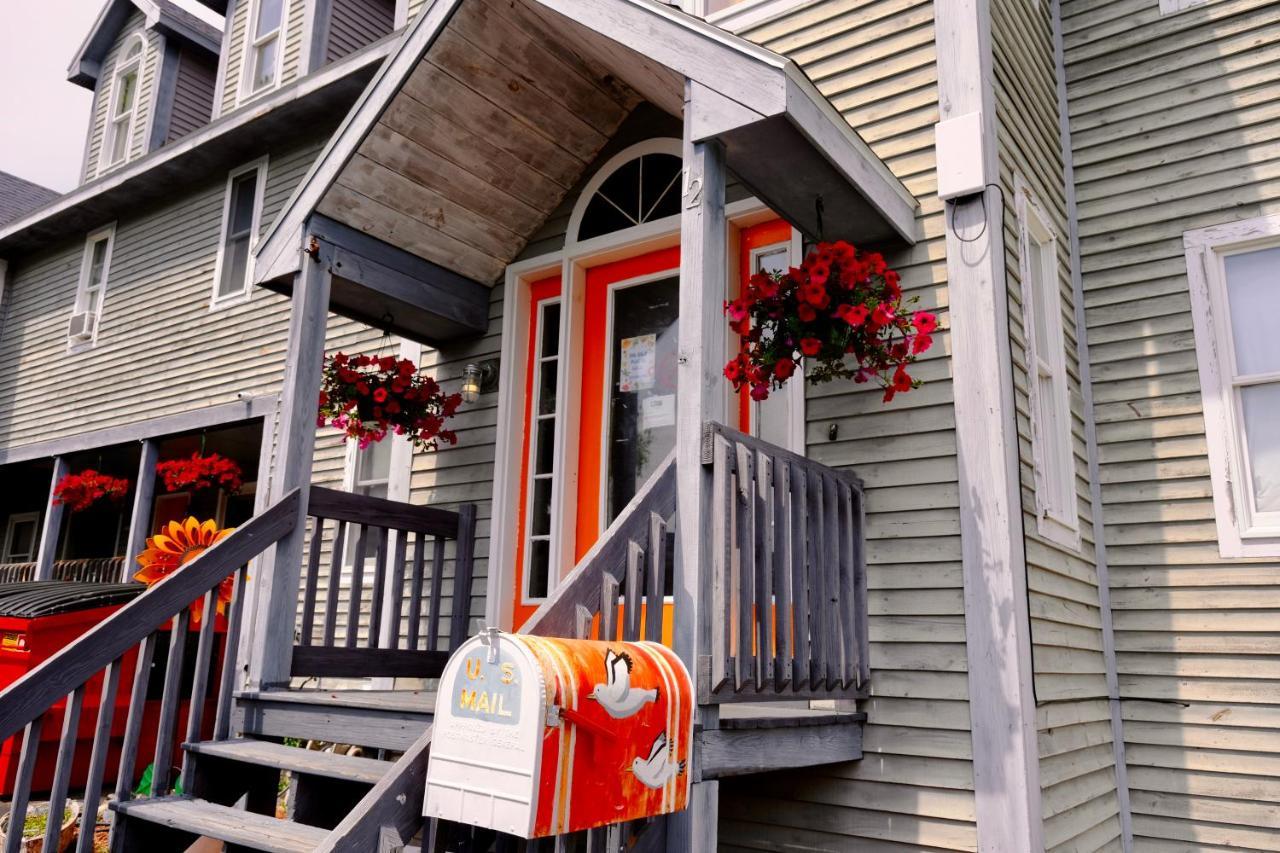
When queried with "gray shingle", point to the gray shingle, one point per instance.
{"points": [[18, 197]]}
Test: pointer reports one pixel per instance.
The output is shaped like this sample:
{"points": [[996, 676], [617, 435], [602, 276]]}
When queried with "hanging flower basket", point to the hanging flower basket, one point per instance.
{"points": [[80, 491], [840, 303], [178, 543], [200, 472], [368, 398]]}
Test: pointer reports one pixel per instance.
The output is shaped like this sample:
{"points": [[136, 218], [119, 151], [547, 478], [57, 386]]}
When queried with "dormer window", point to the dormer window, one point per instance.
{"points": [[124, 103], [264, 49]]}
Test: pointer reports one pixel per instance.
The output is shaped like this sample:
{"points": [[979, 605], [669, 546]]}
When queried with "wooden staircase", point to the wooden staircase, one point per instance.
{"points": [[787, 531]]}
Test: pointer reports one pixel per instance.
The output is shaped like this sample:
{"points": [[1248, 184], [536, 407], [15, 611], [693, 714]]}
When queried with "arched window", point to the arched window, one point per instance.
{"points": [[640, 184], [124, 102]]}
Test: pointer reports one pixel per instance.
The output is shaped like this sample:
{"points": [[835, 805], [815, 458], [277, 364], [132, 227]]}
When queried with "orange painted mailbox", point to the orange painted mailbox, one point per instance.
{"points": [[536, 736]]}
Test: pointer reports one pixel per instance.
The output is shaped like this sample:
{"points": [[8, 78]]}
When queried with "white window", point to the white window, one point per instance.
{"points": [[124, 103], [1052, 442], [736, 15], [95, 266], [22, 537], [241, 218], [1234, 274], [539, 579], [369, 473], [266, 45]]}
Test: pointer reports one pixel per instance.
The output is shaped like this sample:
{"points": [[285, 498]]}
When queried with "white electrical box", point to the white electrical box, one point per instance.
{"points": [[961, 164]]}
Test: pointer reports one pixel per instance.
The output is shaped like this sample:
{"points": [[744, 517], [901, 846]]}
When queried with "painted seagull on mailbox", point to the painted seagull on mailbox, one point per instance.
{"points": [[658, 769], [618, 698]]}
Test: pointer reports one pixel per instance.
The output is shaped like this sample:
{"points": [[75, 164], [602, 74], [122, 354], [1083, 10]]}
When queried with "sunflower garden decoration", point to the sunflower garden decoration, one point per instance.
{"points": [[839, 303], [369, 397], [173, 547]]}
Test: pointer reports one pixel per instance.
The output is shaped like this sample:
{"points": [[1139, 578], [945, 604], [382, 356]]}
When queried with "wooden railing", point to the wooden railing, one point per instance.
{"points": [[788, 602], [91, 570], [391, 578], [118, 654]]}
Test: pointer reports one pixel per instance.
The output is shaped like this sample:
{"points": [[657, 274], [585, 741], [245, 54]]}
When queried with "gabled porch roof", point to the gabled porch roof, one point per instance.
{"points": [[490, 111]]}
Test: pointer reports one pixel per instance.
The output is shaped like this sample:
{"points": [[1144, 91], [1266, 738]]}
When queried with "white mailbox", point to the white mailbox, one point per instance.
{"points": [[536, 736]]}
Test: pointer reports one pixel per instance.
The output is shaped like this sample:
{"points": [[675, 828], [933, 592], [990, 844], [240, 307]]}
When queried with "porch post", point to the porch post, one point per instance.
{"points": [[144, 491], [703, 287], [276, 594], [52, 525], [1006, 769]]}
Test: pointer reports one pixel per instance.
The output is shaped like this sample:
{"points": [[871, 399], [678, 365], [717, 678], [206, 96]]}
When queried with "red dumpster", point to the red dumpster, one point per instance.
{"points": [[39, 618]]}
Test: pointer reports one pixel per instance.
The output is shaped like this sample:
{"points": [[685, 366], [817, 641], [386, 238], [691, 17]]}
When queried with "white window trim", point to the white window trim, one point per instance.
{"points": [[109, 133], [1172, 7], [14, 520], [526, 545], [251, 43], [747, 14], [107, 232], [217, 300], [1205, 249], [1061, 528]]}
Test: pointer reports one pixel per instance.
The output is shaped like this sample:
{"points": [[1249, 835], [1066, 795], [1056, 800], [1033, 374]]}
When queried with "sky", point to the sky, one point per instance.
{"points": [[43, 118]]}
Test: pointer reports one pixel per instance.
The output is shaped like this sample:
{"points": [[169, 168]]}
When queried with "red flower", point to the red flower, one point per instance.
{"points": [[882, 315], [83, 490], [810, 346], [901, 381], [921, 343], [733, 370], [369, 397], [784, 368], [854, 315], [759, 392], [815, 295], [806, 312], [924, 322], [380, 395]]}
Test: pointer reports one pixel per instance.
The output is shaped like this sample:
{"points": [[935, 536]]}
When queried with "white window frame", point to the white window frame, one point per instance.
{"points": [[108, 233], [14, 520], [253, 41], [791, 394], [114, 122], [1240, 533], [553, 418], [1052, 434], [220, 300], [745, 14]]}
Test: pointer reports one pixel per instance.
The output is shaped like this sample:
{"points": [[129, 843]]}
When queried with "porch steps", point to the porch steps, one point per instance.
{"points": [[761, 737], [383, 719], [175, 817], [307, 762]]}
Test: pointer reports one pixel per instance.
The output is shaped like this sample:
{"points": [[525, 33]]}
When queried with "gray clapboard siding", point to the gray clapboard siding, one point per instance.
{"points": [[192, 93], [1176, 124], [354, 23], [1080, 805], [160, 349], [875, 60]]}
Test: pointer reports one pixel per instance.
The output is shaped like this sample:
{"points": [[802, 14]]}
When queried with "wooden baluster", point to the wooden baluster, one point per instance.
{"points": [[357, 588], [378, 598], [231, 645], [764, 570], [334, 591], [463, 569], [415, 590], [98, 758], [308, 618], [395, 612], [782, 573], [815, 553], [133, 724], [799, 503], [744, 589], [655, 578], [200, 680], [609, 608], [847, 618], [860, 586], [582, 620], [22, 784], [437, 594], [831, 579], [168, 724], [62, 770], [722, 603], [635, 581]]}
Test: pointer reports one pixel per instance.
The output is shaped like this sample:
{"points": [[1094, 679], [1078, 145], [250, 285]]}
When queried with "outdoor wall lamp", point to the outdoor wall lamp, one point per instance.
{"points": [[477, 379]]}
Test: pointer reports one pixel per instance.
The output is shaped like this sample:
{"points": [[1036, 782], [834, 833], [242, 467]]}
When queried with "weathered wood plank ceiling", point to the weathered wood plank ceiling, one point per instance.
{"points": [[481, 144]]}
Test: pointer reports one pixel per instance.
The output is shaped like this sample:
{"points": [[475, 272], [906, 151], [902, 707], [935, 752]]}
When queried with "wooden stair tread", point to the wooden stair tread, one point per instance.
{"points": [[398, 701], [311, 762], [235, 826], [770, 715]]}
